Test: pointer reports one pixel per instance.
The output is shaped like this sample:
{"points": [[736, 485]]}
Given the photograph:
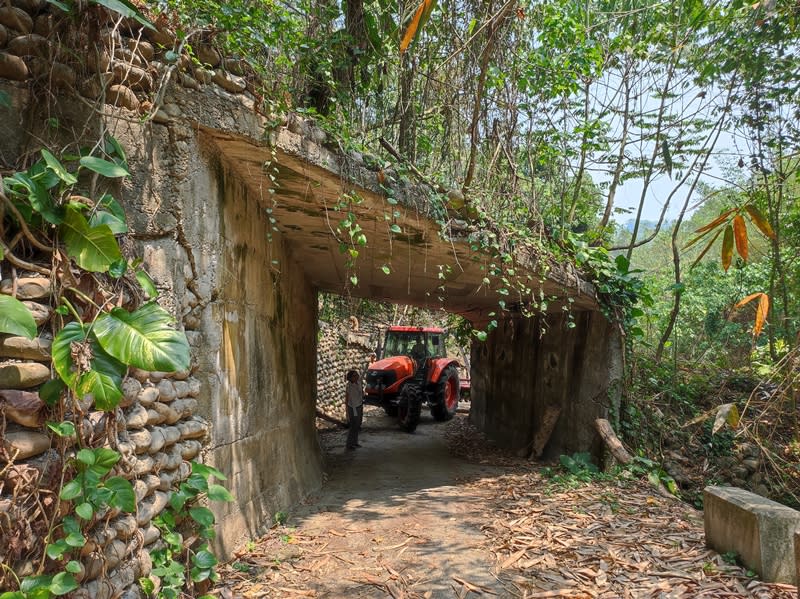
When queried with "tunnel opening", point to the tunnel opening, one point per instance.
{"points": [[367, 336]]}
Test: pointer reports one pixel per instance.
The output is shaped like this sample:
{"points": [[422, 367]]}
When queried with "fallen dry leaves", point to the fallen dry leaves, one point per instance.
{"points": [[611, 538]]}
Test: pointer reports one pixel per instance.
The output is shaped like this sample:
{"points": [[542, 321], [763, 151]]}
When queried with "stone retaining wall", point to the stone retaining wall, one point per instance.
{"points": [[339, 350], [155, 429]]}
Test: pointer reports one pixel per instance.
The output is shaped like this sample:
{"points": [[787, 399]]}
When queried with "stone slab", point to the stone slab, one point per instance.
{"points": [[23, 375], [759, 530], [22, 348]]}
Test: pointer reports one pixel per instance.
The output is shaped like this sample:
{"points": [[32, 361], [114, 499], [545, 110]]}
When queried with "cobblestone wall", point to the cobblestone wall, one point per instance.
{"points": [[341, 348], [155, 429]]}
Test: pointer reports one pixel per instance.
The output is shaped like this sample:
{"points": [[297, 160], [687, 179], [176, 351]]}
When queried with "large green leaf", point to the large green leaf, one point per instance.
{"points": [[143, 338], [124, 497], [93, 248], [101, 374], [103, 386], [110, 213], [37, 195], [126, 9], [55, 165], [104, 167], [15, 318]]}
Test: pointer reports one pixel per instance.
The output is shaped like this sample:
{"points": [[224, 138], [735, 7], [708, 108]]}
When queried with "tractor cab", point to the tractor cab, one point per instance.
{"points": [[418, 344]]}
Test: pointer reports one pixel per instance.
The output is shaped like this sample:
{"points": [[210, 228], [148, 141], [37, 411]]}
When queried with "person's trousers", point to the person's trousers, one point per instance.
{"points": [[355, 415]]}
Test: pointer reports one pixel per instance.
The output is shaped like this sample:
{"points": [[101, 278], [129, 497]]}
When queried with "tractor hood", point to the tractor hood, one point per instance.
{"points": [[403, 365]]}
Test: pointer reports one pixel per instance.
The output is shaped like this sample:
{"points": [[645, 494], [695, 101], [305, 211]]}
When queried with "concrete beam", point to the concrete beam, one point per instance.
{"points": [[762, 532]]}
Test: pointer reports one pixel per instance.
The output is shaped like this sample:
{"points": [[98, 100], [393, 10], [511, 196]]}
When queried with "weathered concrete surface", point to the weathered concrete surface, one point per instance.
{"points": [[528, 364], [250, 315], [762, 532]]}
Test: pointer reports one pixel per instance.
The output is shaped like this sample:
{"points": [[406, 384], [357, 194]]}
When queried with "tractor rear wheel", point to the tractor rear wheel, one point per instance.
{"points": [[409, 408], [447, 391]]}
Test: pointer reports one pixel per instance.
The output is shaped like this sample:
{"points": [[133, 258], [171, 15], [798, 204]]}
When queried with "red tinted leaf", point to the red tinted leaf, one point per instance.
{"points": [[740, 236], [705, 249], [715, 222], [760, 222], [761, 310], [761, 314], [417, 21]]}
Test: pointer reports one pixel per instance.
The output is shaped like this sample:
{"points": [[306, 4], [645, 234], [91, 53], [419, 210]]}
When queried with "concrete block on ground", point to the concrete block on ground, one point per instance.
{"points": [[797, 558], [762, 532]]}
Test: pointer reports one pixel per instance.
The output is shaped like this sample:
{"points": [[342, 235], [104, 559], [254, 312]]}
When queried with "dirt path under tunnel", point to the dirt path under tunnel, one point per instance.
{"points": [[439, 514]]}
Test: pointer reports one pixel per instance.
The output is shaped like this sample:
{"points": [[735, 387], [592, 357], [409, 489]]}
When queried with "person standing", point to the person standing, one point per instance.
{"points": [[354, 400]]}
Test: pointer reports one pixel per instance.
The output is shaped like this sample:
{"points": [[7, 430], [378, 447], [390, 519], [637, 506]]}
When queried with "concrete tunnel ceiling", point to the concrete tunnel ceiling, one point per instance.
{"points": [[309, 182]]}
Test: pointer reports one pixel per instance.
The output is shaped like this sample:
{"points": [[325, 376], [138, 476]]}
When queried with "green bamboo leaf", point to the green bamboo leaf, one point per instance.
{"points": [[143, 338], [104, 167], [15, 318], [93, 248]]}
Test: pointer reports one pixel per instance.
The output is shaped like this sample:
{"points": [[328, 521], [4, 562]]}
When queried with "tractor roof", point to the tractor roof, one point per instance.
{"points": [[415, 330]]}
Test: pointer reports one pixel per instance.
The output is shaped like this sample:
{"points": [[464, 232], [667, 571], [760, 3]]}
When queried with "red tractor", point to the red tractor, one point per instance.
{"points": [[413, 371]]}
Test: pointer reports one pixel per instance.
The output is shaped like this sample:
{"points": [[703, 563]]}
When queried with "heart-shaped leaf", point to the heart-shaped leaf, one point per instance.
{"points": [[93, 248], [143, 338], [15, 318], [96, 373]]}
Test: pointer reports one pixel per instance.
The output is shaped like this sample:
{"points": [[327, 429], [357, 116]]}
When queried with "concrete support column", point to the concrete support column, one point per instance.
{"points": [[529, 364]]}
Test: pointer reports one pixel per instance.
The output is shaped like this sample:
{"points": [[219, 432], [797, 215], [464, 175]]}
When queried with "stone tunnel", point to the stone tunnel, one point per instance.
{"points": [[236, 218]]}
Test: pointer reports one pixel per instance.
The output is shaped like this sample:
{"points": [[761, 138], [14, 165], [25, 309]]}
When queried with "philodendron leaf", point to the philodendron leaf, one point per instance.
{"points": [[143, 338], [54, 164], [93, 248], [15, 318], [37, 195], [109, 213], [104, 167], [86, 368]]}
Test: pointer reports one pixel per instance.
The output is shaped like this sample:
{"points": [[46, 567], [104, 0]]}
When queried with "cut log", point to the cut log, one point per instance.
{"points": [[545, 431], [611, 441], [330, 419]]}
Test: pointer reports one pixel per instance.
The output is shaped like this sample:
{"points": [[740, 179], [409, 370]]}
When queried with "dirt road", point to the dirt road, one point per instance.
{"points": [[405, 517]]}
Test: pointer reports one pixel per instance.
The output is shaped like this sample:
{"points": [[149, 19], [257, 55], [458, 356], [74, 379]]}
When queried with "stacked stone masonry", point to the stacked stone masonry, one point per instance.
{"points": [[154, 429], [124, 65], [339, 350]]}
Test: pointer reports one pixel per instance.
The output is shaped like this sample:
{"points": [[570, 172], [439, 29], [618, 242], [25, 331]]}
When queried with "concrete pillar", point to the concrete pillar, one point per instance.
{"points": [[529, 364]]}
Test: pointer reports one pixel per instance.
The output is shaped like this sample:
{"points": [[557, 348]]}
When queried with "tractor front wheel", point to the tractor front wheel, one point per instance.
{"points": [[448, 389], [409, 408]]}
